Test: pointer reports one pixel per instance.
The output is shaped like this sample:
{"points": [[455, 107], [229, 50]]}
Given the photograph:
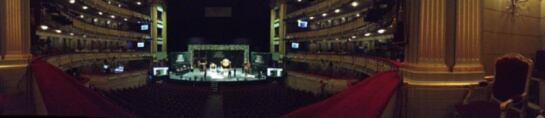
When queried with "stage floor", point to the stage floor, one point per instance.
{"points": [[217, 76]]}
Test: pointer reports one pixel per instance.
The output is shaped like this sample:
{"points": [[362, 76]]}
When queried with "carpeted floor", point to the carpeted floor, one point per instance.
{"points": [[366, 99]]}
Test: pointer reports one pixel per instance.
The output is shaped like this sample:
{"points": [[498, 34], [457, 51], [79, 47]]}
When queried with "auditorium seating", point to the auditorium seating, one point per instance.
{"points": [[162, 100], [263, 101], [64, 96]]}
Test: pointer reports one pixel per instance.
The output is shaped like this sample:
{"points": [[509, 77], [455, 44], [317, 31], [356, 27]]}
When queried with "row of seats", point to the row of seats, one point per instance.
{"points": [[264, 101], [162, 100]]}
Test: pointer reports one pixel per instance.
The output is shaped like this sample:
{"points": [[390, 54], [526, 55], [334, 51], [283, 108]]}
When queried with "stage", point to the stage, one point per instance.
{"points": [[218, 75]]}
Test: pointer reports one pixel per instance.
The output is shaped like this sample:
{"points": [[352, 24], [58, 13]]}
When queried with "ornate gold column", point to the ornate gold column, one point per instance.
{"points": [[2, 29], [16, 33], [443, 55], [444, 42], [282, 16], [468, 37]]}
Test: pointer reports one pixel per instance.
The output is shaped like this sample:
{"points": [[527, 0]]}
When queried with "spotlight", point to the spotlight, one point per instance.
{"points": [[44, 27], [311, 18], [368, 34], [354, 37], [355, 4], [138, 3], [337, 10], [381, 31], [72, 1], [324, 14], [112, 16], [100, 13], [58, 31], [81, 16], [85, 7], [299, 0]]}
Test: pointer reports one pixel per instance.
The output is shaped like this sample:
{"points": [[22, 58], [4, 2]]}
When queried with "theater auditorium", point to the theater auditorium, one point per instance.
{"points": [[272, 58]]}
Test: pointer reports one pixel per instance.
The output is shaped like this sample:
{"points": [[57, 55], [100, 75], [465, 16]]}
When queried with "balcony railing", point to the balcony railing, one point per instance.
{"points": [[100, 4], [353, 25], [318, 8], [79, 59], [100, 30], [371, 65]]}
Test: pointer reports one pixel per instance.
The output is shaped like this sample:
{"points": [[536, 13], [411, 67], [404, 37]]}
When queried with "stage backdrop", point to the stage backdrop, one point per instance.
{"points": [[215, 56], [238, 54], [178, 59]]}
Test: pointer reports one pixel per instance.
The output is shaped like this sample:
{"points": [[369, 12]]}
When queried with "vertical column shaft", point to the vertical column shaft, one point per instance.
{"points": [[468, 36], [16, 29]]}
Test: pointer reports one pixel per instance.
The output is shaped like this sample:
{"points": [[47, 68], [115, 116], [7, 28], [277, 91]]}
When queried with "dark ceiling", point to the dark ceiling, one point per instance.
{"points": [[248, 24]]}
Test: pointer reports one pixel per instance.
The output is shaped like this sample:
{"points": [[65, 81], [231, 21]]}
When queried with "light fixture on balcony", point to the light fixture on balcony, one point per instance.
{"points": [[354, 36], [368, 34], [95, 20], [108, 22], [358, 15], [299, 0], [58, 31], [84, 36], [354, 4], [71, 1], [337, 10], [119, 5], [82, 16], [100, 13], [381, 31], [324, 15], [311, 18], [84, 7], [44, 27], [125, 19], [112, 16], [138, 3], [71, 34]]}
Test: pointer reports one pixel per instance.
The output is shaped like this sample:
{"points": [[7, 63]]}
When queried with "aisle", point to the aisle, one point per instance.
{"points": [[214, 107]]}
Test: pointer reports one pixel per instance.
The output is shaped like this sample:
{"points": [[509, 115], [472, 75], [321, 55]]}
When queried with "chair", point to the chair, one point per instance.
{"points": [[539, 71], [509, 90]]}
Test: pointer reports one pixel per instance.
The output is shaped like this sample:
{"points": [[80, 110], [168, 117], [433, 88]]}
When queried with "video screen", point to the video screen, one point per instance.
{"points": [[119, 69], [274, 72], [144, 27], [302, 24], [140, 44], [295, 45], [160, 71]]}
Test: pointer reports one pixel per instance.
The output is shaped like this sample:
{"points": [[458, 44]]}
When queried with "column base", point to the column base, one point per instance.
{"points": [[17, 57], [442, 78], [468, 68]]}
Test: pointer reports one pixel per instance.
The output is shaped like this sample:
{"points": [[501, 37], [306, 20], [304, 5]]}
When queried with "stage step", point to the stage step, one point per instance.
{"points": [[214, 86]]}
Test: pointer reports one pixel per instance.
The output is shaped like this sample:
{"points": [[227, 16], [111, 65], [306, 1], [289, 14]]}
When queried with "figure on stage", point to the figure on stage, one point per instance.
{"points": [[202, 64], [226, 65], [213, 67]]}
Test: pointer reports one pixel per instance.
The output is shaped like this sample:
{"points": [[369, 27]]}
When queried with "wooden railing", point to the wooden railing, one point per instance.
{"points": [[119, 81], [100, 4], [79, 59], [101, 30], [371, 65], [318, 8], [352, 25]]}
